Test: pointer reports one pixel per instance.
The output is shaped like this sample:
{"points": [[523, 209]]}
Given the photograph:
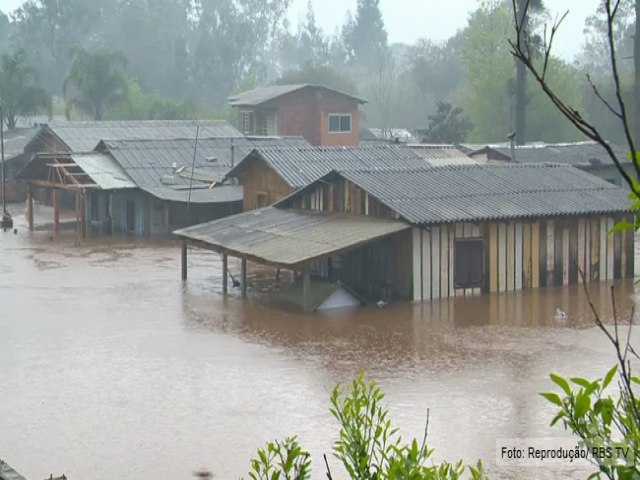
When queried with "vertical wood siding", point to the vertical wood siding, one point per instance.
{"points": [[522, 255]]}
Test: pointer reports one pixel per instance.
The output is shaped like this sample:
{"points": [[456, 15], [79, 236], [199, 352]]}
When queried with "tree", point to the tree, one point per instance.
{"points": [[384, 81], [95, 81], [326, 76], [618, 108], [447, 125], [488, 95], [365, 35], [525, 10], [20, 95], [4, 31]]}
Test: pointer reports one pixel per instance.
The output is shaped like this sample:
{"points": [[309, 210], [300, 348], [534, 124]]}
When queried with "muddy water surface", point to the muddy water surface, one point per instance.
{"points": [[110, 367]]}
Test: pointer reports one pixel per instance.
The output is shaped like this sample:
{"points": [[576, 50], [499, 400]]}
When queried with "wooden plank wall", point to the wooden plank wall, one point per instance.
{"points": [[523, 255]]}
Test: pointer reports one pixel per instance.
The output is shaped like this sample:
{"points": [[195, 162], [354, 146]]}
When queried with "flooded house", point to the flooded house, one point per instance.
{"points": [[143, 186], [588, 156], [270, 174], [323, 116], [433, 233]]}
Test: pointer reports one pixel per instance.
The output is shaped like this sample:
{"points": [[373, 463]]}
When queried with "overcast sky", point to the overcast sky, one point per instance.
{"points": [[408, 20]]}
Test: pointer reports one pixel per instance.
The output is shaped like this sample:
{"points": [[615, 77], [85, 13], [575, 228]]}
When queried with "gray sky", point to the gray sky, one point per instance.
{"points": [[408, 20]]}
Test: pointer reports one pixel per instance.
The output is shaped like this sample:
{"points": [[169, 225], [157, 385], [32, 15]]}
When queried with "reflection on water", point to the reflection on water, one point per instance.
{"points": [[112, 368]]}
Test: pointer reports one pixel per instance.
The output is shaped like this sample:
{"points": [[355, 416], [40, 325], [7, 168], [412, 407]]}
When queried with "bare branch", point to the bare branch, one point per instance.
{"points": [[424, 438], [611, 15], [519, 51], [597, 93], [326, 462]]}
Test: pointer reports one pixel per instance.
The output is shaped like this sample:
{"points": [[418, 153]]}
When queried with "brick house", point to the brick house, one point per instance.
{"points": [[322, 115]]}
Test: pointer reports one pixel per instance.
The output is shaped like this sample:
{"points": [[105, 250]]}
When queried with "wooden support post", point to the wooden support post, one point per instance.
{"points": [[30, 206], [244, 278], [225, 266], [78, 225], [184, 261], [306, 288], [83, 214], [56, 212]]}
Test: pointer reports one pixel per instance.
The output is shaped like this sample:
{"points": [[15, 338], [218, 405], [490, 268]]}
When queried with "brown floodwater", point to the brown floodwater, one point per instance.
{"points": [[111, 367]]}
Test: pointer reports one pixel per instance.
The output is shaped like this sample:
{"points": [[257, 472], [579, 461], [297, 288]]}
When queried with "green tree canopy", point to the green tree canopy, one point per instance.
{"points": [[95, 81], [20, 95], [447, 125], [488, 95], [365, 36]]}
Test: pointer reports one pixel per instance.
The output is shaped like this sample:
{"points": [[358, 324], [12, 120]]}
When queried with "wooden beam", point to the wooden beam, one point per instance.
{"points": [[244, 277], [225, 262], [184, 261]]}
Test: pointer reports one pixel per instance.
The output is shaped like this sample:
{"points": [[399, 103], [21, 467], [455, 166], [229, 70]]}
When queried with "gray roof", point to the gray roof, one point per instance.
{"points": [[164, 167], [260, 95], [287, 238], [491, 192], [84, 136], [300, 166], [583, 154], [15, 140], [103, 170], [440, 155]]}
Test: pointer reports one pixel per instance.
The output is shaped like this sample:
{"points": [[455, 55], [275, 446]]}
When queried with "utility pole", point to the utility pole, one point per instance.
{"points": [[6, 221]]}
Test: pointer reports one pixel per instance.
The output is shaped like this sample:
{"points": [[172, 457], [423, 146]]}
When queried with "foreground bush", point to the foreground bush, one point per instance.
{"points": [[368, 446]]}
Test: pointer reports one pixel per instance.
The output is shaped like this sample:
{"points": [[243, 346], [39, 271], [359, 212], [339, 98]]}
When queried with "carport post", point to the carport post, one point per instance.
{"points": [[30, 205], [244, 278], [184, 260], [56, 212], [225, 287], [306, 288]]}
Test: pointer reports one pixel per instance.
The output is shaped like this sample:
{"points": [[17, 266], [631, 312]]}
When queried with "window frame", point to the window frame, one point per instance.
{"points": [[457, 283], [247, 119], [340, 116]]}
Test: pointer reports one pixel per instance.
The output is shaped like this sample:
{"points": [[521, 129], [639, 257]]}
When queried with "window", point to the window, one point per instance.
{"points": [[246, 122], [263, 123], [468, 263], [339, 123]]}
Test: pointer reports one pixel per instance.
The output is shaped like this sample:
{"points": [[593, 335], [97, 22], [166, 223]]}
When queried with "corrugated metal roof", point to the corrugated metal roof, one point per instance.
{"points": [[584, 154], [286, 237], [84, 136], [491, 192], [440, 155], [103, 170], [300, 166], [163, 166], [257, 96]]}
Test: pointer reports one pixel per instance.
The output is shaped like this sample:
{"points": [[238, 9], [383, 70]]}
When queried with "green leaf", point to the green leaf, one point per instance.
{"points": [[561, 382], [553, 398], [556, 418], [609, 376], [582, 382], [621, 226], [583, 403]]}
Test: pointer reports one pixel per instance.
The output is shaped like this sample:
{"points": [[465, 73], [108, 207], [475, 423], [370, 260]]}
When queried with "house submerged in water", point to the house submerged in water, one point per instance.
{"points": [[435, 232], [139, 178]]}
